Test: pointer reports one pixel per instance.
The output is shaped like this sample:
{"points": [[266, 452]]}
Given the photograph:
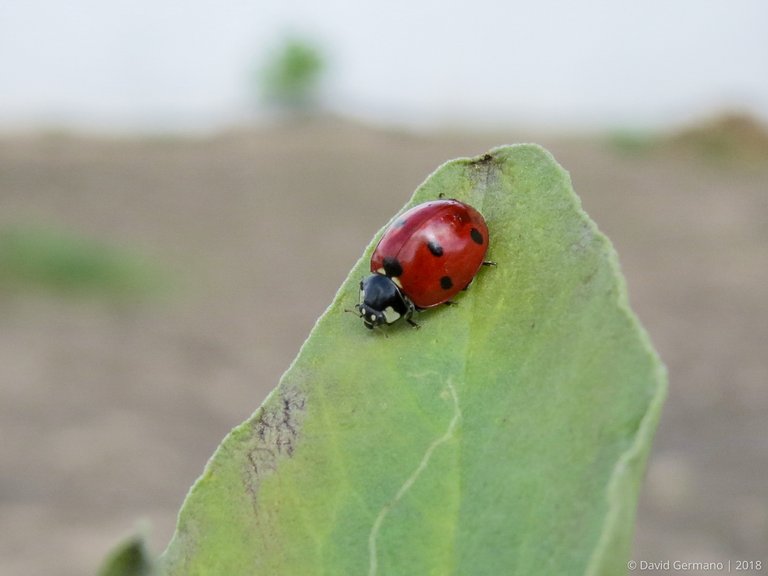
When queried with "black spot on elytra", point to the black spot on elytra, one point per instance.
{"points": [[392, 267], [476, 236], [446, 283], [435, 248]]}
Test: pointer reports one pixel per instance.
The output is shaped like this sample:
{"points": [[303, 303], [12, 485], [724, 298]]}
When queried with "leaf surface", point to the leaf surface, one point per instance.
{"points": [[507, 436]]}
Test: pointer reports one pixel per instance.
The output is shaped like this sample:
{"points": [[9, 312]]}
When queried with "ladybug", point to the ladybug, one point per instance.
{"points": [[426, 257]]}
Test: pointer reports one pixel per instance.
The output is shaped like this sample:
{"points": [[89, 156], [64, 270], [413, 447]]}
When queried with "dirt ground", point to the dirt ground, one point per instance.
{"points": [[109, 410]]}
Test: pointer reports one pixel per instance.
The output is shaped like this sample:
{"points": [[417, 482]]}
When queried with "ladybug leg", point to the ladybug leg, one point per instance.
{"points": [[408, 317], [451, 302], [485, 263]]}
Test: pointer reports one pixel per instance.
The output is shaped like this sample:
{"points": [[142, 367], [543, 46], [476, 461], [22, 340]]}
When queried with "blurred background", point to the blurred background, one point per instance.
{"points": [[184, 185]]}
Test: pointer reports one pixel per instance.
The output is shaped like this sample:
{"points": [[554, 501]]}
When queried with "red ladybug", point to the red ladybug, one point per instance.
{"points": [[427, 256]]}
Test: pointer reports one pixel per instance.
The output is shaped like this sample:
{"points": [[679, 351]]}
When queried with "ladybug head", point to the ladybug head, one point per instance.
{"points": [[382, 302]]}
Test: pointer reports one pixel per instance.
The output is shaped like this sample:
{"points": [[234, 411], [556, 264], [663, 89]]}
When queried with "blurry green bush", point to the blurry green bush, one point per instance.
{"points": [[290, 80], [39, 258]]}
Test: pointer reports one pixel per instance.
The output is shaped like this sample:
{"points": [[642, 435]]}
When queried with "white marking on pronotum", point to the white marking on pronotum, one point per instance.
{"points": [[396, 280], [373, 565], [390, 314]]}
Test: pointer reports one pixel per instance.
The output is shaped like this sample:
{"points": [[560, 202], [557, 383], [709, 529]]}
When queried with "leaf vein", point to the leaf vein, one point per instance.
{"points": [[409, 482]]}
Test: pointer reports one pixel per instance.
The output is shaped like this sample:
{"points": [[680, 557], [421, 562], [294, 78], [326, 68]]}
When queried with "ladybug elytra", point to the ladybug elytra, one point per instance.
{"points": [[426, 257]]}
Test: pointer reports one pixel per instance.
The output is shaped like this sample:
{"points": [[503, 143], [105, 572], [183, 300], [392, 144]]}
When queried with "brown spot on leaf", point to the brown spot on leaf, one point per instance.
{"points": [[276, 430]]}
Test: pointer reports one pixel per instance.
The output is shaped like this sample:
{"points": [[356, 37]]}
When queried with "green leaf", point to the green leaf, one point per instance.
{"points": [[129, 559], [507, 436]]}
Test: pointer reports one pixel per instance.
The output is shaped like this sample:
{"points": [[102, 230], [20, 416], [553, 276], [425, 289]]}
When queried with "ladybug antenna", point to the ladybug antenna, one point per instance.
{"points": [[355, 312]]}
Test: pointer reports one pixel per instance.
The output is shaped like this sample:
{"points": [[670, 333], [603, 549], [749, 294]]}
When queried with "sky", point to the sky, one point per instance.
{"points": [[188, 65]]}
